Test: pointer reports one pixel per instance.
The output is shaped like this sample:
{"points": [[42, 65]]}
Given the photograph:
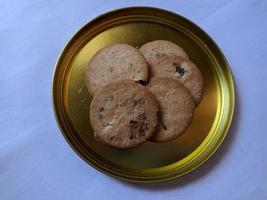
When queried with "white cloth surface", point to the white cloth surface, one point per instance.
{"points": [[37, 163]]}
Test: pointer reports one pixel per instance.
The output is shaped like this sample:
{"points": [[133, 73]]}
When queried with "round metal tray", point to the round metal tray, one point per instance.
{"points": [[150, 162]]}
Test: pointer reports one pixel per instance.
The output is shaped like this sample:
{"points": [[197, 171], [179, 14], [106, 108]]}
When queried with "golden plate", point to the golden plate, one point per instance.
{"points": [[150, 162]]}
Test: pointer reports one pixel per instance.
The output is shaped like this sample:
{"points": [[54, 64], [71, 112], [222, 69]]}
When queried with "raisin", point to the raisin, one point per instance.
{"points": [[130, 135], [133, 121], [160, 121], [135, 103], [164, 127], [138, 126], [109, 124], [141, 132], [142, 82], [101, 109], [179, 69]]}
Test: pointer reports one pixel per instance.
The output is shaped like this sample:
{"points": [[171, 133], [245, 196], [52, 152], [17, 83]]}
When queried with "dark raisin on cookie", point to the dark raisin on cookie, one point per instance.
{"points": [[164, 127], [140, 125], [179, 69], [135, 103], [133, 121], [142, 82], [141, 132], [143, 124], [130, 135], [101, 109]]}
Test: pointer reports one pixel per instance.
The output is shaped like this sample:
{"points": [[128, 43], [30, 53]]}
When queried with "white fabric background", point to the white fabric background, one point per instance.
{"points": [[37, 163]]}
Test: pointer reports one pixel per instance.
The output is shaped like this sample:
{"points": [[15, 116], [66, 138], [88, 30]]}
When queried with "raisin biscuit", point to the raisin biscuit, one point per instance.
{"points": [[115, 62], [182, 70], [124, 114], [176, 107]]}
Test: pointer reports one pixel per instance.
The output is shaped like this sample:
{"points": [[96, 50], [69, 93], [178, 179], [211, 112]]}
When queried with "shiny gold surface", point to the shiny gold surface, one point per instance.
{"points": [[151, 161]]}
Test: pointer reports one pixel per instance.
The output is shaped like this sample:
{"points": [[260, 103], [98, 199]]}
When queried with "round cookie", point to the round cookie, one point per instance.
{"points": [[176, 107], [158, 48], [124, 114], [115, 62], [182, 70]]}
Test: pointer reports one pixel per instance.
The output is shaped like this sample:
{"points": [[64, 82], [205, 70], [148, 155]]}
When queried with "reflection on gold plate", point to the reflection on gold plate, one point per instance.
{"points": [[150, 162]]}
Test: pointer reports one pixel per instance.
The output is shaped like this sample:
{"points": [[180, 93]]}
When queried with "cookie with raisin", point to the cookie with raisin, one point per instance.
{"points": [[182, 70], [176, 107], [124, 114]]}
